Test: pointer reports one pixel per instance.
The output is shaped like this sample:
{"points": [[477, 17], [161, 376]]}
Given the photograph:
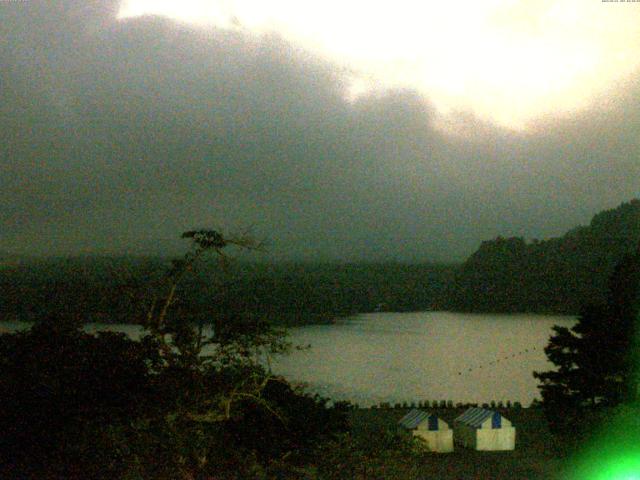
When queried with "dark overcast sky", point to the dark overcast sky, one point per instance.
{"points": [[117, 136]]}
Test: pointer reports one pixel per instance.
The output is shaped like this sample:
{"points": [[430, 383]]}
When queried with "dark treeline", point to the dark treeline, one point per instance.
{"points": [[97, 406], [558, 275], [504, 275], [116, 289]]}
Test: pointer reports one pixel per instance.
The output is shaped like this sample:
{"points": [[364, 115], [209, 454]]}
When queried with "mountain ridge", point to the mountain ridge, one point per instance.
{"points": [[557, 275]]}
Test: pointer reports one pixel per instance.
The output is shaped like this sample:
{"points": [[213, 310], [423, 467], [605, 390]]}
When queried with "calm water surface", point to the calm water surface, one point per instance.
{"points": [[398, 357], [424, 356]]}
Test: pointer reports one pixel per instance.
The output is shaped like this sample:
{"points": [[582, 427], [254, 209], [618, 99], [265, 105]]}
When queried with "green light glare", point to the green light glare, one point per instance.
{"points": [[626, 468], [614, 454], [604, 466]]}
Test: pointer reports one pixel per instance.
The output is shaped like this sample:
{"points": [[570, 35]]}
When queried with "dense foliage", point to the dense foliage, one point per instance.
{"points": [[596, 360], [178, 403], [60, 389], [77, 405], [108, 289], [559, 275]]}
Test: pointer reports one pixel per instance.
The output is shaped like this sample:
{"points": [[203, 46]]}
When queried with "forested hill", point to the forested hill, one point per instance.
{"points": [[113, 289], [504, 275], [557, 275]]}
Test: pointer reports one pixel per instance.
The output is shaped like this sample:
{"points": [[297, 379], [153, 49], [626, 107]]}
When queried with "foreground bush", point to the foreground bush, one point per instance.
{"points": [[61, 388], [77, 405], [177, 404], [383, 455]]}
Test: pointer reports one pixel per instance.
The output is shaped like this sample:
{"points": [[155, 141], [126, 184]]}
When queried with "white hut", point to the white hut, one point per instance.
{"points": [[482, 429], [433, 430]]}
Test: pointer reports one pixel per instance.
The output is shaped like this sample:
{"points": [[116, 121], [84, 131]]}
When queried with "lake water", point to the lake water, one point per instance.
{"points": [[424, 356], [398, 357]]}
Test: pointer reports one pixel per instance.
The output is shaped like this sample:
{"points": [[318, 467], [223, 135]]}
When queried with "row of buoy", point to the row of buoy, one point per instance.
{"points": [[495, 362]]}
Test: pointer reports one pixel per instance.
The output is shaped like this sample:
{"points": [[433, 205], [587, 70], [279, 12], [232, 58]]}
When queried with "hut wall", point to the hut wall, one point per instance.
{"points": [[496, 439], [437, 441]]}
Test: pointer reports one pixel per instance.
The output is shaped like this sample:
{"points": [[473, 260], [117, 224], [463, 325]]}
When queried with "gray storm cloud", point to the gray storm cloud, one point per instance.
{"points": [[116, 136]]}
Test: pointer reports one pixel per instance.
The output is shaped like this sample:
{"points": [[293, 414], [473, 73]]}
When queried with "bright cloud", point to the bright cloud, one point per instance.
{"points": [[506, 61]]}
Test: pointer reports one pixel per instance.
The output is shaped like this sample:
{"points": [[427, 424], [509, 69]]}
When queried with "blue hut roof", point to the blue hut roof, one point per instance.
{"points": [[474, 417], [415, 417]]}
